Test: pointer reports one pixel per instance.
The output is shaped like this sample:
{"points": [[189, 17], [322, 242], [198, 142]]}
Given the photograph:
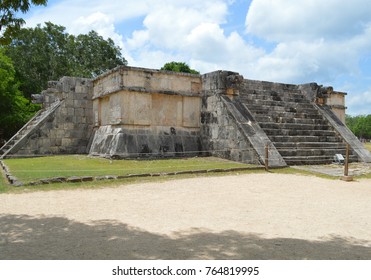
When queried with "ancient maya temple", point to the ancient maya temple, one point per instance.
{"points": [[133, 112]]}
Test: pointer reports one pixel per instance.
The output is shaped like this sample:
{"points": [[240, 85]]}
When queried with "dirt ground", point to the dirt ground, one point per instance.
{"points": [[257, 216]]}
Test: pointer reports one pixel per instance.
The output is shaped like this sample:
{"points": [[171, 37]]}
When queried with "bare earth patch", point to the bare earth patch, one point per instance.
{"points": [[254, 216]]}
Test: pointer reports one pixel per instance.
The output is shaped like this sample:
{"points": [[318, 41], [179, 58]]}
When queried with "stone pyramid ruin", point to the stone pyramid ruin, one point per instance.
{"points": [[132, 112]]}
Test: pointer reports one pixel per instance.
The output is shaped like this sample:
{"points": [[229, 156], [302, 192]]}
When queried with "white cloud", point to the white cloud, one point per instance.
{"points": [[309, 48], [315, 39], [98, 21], [65, 12], [279, 20], [167, 26], [173, 30], [359, 104], [210, 49]]}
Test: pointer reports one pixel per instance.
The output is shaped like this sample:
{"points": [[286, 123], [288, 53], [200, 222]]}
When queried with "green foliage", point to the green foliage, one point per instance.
{"points": [[92, 55], [179, 67], [4, 186], [45, 61], [10, 24], [15, 110], [52, 53], [359, 125]]}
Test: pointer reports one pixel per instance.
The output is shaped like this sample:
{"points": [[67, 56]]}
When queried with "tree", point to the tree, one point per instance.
{"points": [[52, 53], [45, 51], [41, 54], [92, 55], [9, 22], [15, 110], [179, 67], [359, 125]]}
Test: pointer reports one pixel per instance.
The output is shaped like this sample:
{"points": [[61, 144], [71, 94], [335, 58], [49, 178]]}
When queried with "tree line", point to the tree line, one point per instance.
{"points": [[30, 57], [37, 55], [359, 125]]}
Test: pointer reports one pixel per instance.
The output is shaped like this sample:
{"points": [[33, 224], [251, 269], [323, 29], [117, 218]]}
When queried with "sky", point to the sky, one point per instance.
{"points": [[289, 41]]}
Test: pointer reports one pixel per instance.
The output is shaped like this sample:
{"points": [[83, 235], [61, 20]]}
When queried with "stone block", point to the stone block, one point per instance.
{"points": [[191, 111], [68, 127], [46, 142], [58, 180], [144, 144], [107, 177], [87, 178], [76, 104], [79, 112], [63, 112], [54, 150], [66, 142], [77, 133], [126, 144], [192, 144], [70, 111], [69, 103], [74, 179]]}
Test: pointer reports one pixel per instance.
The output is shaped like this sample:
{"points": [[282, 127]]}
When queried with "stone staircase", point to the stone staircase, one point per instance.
{"points": [[298, 131], [15, 143]]}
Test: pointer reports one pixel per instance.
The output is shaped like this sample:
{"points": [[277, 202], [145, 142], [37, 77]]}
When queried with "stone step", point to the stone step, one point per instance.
{"points": [[294, 132], [267, 108], [276, 119], [304, 160], [311, 152], [21, 133], [266, 91], [275, 96], [296, 126], [262, 85], [247, 99], [313, 145], [280, 138], [285, 104], [287, 115], [313, 160]]}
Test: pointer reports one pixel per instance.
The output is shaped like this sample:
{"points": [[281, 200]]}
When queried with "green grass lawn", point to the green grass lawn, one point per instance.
{"points": [[368, 146], [3, 185], [32, 169]]}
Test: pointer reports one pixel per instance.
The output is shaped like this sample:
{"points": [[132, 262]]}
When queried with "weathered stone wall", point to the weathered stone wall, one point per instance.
{"points": [[221, 135], [68, 129], [146, 80], [320, 95], [336, 101], [141, 112]]}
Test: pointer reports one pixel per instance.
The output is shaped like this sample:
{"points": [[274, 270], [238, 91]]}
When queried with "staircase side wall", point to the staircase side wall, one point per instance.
{"points": [[362, 153], [68, 129], [221, 134], [312, 93]]}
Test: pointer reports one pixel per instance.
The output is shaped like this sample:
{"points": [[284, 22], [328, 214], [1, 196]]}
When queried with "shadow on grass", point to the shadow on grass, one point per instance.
{"points": [[25, 237]]}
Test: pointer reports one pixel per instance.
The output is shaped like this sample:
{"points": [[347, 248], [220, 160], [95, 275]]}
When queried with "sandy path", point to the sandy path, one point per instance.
{"points": [[258, 216]]}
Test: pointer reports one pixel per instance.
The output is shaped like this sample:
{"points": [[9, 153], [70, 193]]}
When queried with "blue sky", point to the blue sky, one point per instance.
{"points": [[291, 41]]}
